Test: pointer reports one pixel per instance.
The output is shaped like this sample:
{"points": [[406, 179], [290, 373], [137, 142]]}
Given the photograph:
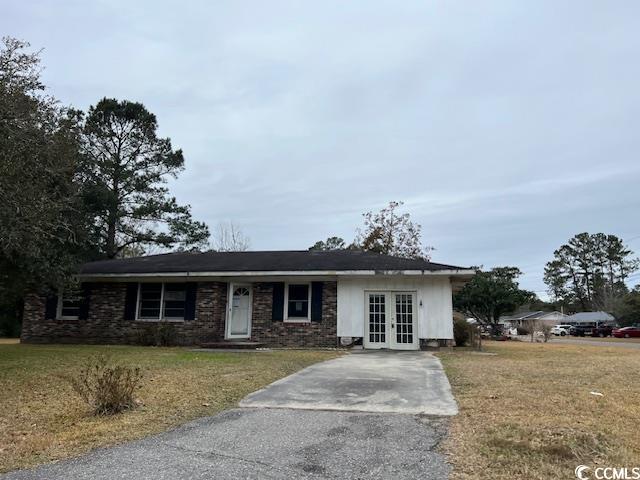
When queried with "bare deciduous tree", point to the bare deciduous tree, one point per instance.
{"points": [[229, 237], [392, 233]]}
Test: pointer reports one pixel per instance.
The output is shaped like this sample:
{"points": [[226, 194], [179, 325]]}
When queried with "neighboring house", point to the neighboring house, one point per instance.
{"points": [[523, 319], [279, 298], [590, 318]]}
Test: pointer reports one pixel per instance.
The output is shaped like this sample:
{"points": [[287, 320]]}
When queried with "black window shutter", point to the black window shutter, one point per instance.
{"points": [[190, 301], [130, 301], [51, 307], [316, 301], [277, 306], [83, 314]]}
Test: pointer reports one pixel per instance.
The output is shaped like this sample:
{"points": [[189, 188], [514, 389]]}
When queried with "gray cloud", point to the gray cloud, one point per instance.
{"points": [[506, 126]]}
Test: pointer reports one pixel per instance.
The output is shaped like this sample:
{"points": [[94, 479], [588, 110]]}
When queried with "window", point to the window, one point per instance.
{"points": [[69, 301], [161, 301], [297, 302], [174, 300]]}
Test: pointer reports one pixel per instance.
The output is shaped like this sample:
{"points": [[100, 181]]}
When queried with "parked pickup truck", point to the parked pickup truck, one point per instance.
{"points": [[602, 331], [581, 330]]}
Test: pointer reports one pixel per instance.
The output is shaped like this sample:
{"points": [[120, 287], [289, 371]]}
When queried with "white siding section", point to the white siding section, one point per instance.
{"points": [[435, 312]]}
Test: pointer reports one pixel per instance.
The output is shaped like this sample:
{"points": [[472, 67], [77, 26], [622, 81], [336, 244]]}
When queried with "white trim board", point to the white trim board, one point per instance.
{"points": [[285, 273]]}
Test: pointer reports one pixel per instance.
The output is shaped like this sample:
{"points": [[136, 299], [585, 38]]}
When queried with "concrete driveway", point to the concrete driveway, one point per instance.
{"points": [[381, 382], [307, 434]]}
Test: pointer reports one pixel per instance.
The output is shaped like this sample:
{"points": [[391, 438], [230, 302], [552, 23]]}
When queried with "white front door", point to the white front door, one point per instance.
{"points": [[391, 320], [239, 311]]}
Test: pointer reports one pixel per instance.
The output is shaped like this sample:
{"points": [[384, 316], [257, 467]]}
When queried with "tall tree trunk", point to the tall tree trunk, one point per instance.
{"points": [[111, 238], [112, 219]]}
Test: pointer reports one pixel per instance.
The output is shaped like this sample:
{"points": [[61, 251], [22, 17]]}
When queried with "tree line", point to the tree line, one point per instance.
{"points": [[588, 273], [78, 186]]}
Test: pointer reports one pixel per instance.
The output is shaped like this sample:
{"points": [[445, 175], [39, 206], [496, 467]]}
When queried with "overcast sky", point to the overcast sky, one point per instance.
{"points": [[505, 126]]}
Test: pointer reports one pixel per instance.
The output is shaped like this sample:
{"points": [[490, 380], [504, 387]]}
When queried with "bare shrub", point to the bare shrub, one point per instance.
{"points": [[160, 334], [107, 388], [166, 335], [545, 328], [145, 336]]}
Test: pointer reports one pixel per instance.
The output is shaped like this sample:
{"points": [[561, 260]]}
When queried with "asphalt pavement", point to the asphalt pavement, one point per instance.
{"points": [[305, 428]]}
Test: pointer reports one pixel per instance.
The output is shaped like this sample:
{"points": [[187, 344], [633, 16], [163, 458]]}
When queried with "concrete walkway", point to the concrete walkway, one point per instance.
{"points": [[303, 436], [381, 382]]}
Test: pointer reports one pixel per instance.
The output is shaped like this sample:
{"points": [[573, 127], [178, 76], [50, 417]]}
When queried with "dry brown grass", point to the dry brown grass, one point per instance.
{"points": [[603, 339], [42, 419], [527, 412]]}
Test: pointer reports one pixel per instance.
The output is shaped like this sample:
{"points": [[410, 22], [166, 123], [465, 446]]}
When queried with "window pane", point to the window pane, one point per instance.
{"points": [[298, 292], [175, 295], [150, 294], [150, 290], [70, 308], [150, 313], [71, 299], [298, 303]]}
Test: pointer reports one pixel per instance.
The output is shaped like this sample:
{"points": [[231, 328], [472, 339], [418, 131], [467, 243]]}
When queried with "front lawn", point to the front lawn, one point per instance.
{"points": [[41, 419], [602, 339], [527, 411]]}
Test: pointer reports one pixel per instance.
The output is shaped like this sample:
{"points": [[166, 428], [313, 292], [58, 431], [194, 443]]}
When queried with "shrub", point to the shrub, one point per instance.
{"points": [[166, 335], [545, 328], [10, 315], [108, 389], [162, 334], [144, 335], [461, 331], [10, 326]]}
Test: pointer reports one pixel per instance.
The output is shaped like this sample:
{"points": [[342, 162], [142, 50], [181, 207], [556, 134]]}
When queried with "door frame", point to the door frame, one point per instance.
{"points": [[393, 339], [390, 319], [365, 340], [227, 323]]}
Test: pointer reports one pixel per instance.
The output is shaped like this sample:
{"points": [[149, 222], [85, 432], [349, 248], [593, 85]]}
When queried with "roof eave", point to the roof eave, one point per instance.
{"points": [[463, 273]]}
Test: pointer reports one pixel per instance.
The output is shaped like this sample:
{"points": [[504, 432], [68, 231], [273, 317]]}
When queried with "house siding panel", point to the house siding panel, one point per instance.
{"points": [[434, 297]]}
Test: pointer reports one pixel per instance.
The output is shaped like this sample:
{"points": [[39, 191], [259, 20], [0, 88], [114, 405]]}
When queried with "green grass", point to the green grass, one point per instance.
{"points": [[43, 420]]}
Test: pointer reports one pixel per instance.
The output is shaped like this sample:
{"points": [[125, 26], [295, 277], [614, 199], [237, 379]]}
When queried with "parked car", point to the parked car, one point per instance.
{"points": [[626, 332], [580, 330], [602, 331], [561, 330]]}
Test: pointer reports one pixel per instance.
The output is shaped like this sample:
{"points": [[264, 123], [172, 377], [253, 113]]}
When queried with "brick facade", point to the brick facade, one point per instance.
{"points": [[106, 324], [285, 334]]}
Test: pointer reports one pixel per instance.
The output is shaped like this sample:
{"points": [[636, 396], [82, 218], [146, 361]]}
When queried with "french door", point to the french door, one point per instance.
{"points": [[391, 320]]}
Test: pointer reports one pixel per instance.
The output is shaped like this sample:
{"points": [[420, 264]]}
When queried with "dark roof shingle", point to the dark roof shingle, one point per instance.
{"points": [[264, 261]]}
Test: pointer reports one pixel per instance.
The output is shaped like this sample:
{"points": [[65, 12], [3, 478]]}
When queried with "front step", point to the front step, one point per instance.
{"points": [[230, 344]]}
